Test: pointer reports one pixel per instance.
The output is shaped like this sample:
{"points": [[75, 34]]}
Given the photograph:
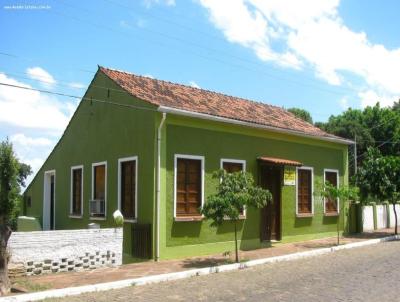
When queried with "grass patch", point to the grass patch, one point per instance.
{"points": [[26, 285]]}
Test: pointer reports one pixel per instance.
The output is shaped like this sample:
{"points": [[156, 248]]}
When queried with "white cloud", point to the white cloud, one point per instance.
{"points": [[23, 112], [371, 97], [194, 84], [41, 75], [149, 76], [32, 150], [313, 36], [26, 141], [32, 109], [76, 85], [150, 3], [344, 103]]}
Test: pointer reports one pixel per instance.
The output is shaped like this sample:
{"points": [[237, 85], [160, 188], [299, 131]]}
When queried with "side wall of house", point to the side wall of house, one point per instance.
{"points": [[100, 132], [214, 141]]}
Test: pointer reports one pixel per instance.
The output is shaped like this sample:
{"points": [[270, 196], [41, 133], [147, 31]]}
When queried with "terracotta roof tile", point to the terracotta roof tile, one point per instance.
{"points": [[279, 161], [163, 93]]}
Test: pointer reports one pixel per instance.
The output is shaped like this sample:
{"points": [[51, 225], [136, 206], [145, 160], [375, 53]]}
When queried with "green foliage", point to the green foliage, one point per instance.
{"points": [[234, 192], [396, 106], [373, 127], [9, 188], [302, 114], [343, 193], [12, 176], [379, 177]]}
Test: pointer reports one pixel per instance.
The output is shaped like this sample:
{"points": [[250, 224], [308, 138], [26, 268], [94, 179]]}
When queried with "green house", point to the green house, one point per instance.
{"points": [[149, 147]]}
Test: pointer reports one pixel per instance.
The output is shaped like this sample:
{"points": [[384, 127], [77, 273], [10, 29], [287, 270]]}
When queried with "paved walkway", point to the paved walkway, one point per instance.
{"points": [[365, 274], [135, 270]]}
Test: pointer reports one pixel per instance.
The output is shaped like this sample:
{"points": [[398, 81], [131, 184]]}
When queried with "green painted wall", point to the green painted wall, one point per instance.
{"points": [[106, 132], [214, 141], [101, 132]]}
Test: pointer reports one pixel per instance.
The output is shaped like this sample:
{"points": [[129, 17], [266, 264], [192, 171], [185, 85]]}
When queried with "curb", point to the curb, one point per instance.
{"points": [[71, 291]]}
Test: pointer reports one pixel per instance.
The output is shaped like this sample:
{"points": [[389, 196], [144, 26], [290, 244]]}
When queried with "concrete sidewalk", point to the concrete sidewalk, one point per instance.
{"points": [[143, 269]]}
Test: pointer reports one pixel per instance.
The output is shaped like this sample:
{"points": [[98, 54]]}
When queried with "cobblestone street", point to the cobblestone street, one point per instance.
{"points": [[361, 274]]}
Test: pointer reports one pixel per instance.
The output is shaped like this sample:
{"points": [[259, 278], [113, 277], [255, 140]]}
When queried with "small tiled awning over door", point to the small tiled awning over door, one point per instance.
{"points": [[279, 161]]}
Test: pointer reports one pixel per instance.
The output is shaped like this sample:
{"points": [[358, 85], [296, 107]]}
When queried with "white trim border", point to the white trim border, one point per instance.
{"points": [[338, 185], [72, 291], [253, 125], [105, 189], [312, 188], [74, 215], [235, 161], [185, 156], [120, 161]]}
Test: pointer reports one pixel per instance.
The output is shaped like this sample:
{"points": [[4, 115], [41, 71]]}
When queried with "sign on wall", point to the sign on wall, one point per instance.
{"points": [[289, 176]]}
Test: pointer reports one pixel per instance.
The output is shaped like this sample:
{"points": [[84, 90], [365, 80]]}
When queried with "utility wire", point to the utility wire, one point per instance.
{"points": [[59, 83], [263, 72], [77, 97]]}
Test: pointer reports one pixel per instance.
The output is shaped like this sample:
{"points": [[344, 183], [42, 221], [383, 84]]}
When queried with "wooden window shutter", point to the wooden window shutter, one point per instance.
{"points": [[76, 191], [188, 187], [304, 197], [99, 182], [331, 205], [231, 167], [128, 189]]}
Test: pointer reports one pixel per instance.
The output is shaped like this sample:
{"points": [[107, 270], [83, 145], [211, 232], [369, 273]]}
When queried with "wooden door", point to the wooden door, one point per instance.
{"points": [[52, 192], [271, 214]]}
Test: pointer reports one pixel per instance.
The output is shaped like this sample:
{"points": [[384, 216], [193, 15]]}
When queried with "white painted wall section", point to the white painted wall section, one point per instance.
{"points": [[368, 218], [66, 250], [381, 217]]}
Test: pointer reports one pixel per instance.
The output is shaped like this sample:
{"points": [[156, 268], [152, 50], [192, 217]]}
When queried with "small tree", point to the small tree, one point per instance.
{"points": [[379, 179], [302, 114], [235, 191], [342, 193], [12, 177]]}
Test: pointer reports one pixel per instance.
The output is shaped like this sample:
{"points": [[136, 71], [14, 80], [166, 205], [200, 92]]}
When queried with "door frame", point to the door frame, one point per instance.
{"points": [[46, 223], [260, 179]]}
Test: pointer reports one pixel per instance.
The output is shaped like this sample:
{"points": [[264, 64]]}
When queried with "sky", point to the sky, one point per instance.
{"points": [[320, 55]]}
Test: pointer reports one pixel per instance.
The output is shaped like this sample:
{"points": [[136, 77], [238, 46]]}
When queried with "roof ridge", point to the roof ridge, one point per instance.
{"points": [[202, 89]]}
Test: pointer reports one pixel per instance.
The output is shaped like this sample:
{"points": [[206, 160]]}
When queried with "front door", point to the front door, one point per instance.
{"points": [[271, 179], [49, 200]]}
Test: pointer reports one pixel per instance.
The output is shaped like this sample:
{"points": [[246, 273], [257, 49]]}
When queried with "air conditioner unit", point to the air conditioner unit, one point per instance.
{"points": [[97, 208]]}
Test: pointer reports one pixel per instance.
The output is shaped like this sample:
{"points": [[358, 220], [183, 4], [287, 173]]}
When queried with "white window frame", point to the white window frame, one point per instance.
{"points": [[120, 161], [71, 215], [105, 189], [297, 190], [185, 156], [337, 181], [235, 161]]}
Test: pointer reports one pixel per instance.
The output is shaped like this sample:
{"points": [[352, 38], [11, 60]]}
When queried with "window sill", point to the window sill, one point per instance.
{"points": [[75, 216], [97, 218], [130, 220], [189, 218], [331, 214], [241, 217], [304, 215]]}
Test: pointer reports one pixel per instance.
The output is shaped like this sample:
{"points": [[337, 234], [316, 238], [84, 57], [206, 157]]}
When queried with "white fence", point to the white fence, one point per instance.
{"points": [[392, 219], [67, 250], [368, 218], [383, 216]]}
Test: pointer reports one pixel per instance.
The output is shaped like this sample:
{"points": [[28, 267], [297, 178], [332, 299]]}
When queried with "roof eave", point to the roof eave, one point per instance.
{"points": [[249, 124]]}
